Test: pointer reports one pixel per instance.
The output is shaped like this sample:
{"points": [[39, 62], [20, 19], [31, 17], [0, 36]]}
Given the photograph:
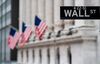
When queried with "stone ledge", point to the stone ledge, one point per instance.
{"points": [[59, 41]]}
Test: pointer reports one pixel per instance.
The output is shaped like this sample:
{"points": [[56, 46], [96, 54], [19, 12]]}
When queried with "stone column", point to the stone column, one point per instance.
{"points": [[68, 23], [89, 52], [41, 9], [98, 48], [22, 13], [21, 19], [57, 21], [21, 10], [76, 50], [29, 16], [84, 52], [97, 23], [30, 56], [24, 56], [33, 13], [37, 57], [52, 55], [64, 55], [49, 16], [19, 57], [44, 56], [28, 12]]}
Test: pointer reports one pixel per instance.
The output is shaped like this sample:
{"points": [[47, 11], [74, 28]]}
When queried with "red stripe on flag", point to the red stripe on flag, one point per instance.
{"points": [[12, 41], [40, 29], [25, 36]]}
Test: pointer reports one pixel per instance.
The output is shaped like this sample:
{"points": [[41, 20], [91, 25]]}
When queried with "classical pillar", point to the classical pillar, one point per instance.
{"points": [[52, 55], [76, 51], [98, 48], [21, 10], [63, 54], [49, 16], [85, 52], [22, 13], [33, 13], [57, 21], [44, 56], [19, 56], [89, 52], [30, 56], [41, 9], [24, 56], [37, 57], [21, 18], [28, 12], [97, 24], [68, 23]]}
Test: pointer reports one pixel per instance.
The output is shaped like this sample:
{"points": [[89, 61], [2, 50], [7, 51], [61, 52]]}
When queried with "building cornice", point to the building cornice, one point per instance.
{"points": [[59, 41]]}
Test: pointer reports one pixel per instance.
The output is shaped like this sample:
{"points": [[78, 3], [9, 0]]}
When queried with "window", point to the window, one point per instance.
{"points": [[8, 8], [4, 32], [8, 18], [7, 48], [0, 2], [0, 47], [3, 9], [0, 23], [7, 31], [0, 12], [8, 5], [3, 22], [3, 46], [3, 1]]}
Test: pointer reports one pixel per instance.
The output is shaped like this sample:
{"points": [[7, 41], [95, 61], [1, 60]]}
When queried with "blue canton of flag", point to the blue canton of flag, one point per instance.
{"points": [[23, 27]]}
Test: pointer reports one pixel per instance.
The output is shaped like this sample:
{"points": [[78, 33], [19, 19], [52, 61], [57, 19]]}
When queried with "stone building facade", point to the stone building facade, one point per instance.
{"points": [[65, 41]]}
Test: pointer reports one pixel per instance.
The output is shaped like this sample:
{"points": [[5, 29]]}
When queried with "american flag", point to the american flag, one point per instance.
{"points": [[26, 32], [40, 27], [13, 38]]}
